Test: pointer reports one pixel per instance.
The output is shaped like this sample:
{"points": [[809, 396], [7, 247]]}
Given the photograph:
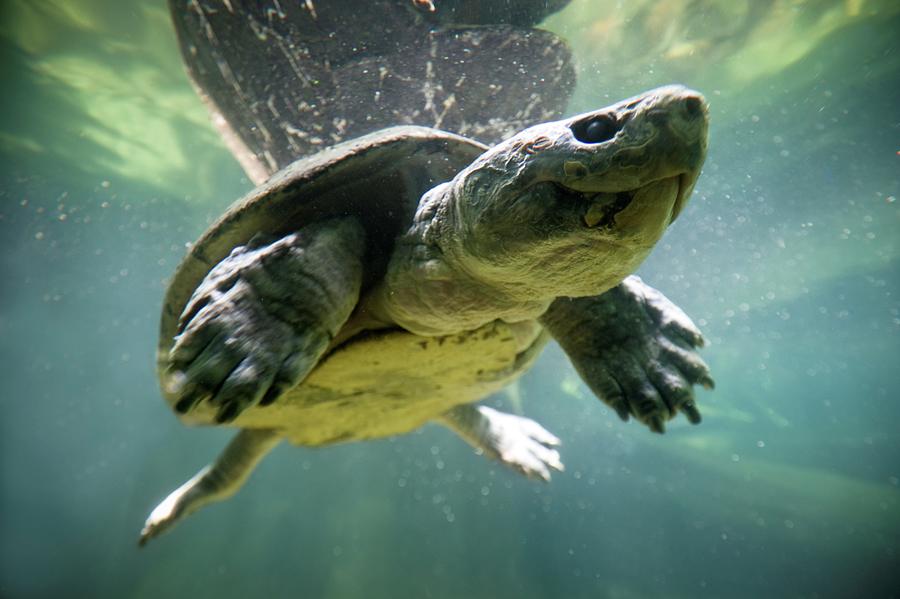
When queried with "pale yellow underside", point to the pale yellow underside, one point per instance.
{"points": [[393, 382]]}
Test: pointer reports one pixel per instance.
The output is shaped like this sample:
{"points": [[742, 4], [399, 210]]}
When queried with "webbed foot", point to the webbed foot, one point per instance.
{"points": [[635, 349], [517, 442]]}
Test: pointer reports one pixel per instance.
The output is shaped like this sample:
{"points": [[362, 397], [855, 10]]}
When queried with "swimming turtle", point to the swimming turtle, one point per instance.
{"points": [[286, 79], [396, 279]]}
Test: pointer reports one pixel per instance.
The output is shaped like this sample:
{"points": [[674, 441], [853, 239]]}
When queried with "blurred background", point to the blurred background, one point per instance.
{"points": [[788, 257]]}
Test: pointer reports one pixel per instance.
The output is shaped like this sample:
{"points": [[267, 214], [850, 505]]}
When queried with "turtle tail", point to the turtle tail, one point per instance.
{"points": [[215, 482]]}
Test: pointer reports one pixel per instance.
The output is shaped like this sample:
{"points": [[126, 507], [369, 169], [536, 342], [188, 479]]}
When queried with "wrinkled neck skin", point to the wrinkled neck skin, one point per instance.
{"points": [[568, 208], [431, 288]]}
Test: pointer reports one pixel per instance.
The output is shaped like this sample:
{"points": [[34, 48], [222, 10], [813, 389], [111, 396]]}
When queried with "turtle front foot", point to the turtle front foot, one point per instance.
{"points": [[635, 349], [262, 318], [517, 442]]}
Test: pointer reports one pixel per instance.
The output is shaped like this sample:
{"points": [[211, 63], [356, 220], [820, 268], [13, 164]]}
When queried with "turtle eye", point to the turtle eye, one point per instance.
{"points": [[595, 130]]}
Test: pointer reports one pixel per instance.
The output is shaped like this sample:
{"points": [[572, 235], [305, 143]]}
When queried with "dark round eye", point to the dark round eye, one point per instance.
{"points": [[597, 130]]}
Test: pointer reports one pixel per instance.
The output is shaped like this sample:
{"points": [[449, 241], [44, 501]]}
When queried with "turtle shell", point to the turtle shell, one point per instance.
{"points": [[285, 80], [378, 178]]}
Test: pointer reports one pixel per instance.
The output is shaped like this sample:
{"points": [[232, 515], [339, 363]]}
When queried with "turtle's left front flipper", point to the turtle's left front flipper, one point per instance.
{"points": [[635, 349]]}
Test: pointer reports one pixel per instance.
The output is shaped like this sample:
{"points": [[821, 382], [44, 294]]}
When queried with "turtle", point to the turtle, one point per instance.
{"points": [[398, 278], [286, 79]]}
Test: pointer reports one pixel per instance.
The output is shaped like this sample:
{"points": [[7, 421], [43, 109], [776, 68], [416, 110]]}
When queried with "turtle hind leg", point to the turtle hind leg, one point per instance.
{"points": [[517, 442], [215, 482]]}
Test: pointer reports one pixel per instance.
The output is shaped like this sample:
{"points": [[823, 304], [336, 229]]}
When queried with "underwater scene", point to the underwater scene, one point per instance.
{"points": [[129, 128]]}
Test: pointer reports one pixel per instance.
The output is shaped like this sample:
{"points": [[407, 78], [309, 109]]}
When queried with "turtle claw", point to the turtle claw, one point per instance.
{"points": [[689, 409], [656, 424]]}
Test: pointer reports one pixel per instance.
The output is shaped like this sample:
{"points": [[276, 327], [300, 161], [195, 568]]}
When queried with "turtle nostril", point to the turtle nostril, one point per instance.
{"points": [[693, 106]]}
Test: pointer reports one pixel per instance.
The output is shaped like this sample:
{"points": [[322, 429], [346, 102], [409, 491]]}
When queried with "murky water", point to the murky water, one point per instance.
{"points": [[788, 257]]}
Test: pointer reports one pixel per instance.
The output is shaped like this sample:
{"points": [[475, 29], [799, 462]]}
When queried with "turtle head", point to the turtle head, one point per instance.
{"points": [[572, 207]]}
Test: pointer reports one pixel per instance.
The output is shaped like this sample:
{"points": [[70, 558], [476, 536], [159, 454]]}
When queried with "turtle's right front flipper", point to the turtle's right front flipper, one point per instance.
{"points": [[263, 317]]}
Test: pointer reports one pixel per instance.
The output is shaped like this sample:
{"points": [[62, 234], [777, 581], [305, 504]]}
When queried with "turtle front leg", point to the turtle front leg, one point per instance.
{"points": [[263, 317], [215, 482], [635, 349], [520, 443]]}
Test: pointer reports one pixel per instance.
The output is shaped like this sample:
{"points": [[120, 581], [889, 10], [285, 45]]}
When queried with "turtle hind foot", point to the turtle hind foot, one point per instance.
{"points": [[177, 505], [516, 442], [215, 482]]}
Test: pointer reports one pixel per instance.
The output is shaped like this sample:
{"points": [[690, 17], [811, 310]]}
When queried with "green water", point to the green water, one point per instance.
{"points": [[788, 256]]}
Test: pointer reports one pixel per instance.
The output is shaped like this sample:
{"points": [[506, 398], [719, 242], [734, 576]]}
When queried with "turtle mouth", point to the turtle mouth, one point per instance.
{"points": [[685, 187], [601, 208]]}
